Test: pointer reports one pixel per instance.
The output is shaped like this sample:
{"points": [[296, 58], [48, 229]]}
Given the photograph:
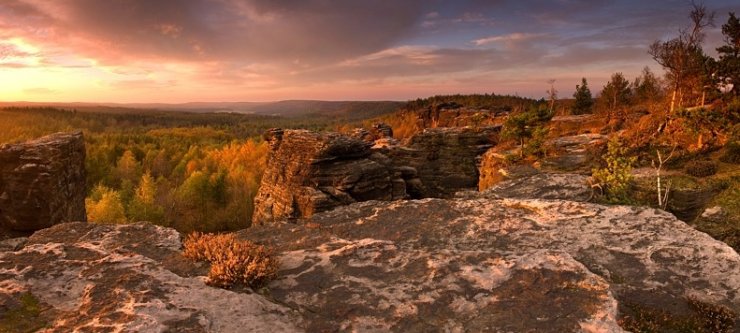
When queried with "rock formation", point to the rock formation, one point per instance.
{"points": [[477, 265], [312, 172], [80, 277], [42, 182]]}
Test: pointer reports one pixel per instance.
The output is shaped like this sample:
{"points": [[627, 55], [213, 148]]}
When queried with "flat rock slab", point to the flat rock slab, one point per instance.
{"points": [[492, 265], [123, 278]]}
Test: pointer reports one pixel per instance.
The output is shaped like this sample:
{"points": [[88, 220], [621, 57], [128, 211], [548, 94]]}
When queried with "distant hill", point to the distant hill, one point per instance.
{"points": [[350, 110]]}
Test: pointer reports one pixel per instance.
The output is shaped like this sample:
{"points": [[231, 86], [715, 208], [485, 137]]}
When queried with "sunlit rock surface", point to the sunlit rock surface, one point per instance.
{"points": [[497, 265], [431, 265], [42, 182], [125, 278]]}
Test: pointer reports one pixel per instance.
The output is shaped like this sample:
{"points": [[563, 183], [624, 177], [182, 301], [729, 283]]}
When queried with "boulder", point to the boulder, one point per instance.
{"points": [[80, 277], [498, 265], [42, 182]]}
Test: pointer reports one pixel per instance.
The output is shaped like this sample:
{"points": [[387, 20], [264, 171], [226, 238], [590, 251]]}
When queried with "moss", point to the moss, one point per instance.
{"points": [[700, 317], [23, 316], [701, 168]]}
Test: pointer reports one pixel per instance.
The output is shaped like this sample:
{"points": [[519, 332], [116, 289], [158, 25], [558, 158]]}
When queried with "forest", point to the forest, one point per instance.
{"points": [[190, 171]]}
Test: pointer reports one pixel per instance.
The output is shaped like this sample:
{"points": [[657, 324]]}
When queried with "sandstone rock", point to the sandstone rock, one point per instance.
{"points": [[310, 172], [575, 124], [498, 265], [494, 168], [578, 153], [446, 159], [125, 278], [563, 186], [42, 182]]}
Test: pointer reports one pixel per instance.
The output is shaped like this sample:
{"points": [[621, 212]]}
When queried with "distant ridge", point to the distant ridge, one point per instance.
{"points": [[287, 108]]}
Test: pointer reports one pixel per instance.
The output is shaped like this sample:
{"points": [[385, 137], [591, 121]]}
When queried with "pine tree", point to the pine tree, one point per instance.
{"points": [[616, 93], [584, 100]]}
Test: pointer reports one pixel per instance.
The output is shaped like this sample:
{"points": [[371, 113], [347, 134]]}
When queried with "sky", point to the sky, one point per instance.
{"points": [[174, 51]]}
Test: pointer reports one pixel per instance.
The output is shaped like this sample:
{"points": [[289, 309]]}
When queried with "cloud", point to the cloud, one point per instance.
{"points": [[508, 38]]}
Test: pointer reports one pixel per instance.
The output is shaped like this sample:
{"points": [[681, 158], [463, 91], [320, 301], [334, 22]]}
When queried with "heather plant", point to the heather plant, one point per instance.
{"points": [[232, 261]]}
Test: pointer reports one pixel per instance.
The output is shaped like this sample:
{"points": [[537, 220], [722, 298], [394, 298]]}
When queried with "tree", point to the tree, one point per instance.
{"points": [[552, 94], [143, 206], [105, 206], [728, 66], [616, 93], [646, 87], [584, 100], [682, 57], [524, 125], [128, 168]]}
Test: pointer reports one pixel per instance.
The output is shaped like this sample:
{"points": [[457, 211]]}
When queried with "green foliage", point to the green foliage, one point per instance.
{"points": [[527, 128], [232, 261], [584, 101], [22, 315], [728, 66], [616, 175], [490, 102], [701, 168]]}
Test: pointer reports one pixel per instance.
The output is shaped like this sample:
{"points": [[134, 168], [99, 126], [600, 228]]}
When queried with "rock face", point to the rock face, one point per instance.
{"points": [[312, 172], [446, 159], [431, 265], [42, 182], [498, 265], [82, 277], [577, 153]]}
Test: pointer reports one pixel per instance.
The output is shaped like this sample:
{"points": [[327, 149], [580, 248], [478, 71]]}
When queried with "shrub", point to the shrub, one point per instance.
{"points": [[732, 153], [615, 178], [701, 168], [232, 261]]}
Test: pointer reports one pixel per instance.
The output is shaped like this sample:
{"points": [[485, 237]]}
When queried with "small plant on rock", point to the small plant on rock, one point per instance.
{"points": [[232, 261]]}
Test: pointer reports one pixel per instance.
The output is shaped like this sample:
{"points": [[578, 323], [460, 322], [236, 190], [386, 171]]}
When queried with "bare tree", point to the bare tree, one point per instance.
{"points": [[682, 56], [662, 195], [552, 94]]}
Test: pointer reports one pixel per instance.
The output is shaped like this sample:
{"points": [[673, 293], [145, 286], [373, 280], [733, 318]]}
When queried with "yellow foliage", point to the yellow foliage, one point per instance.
{"points": [[232, 261]]}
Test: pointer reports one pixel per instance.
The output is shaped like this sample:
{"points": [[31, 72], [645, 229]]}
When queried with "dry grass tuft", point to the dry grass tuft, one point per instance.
{"points": [[232, 261]]}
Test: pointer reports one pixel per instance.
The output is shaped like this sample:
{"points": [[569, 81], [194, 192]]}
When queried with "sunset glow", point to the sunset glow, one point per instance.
{"points": [[231, 50]]}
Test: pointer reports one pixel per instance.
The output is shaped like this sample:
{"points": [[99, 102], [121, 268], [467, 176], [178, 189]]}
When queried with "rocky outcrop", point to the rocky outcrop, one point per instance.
{"points": [[575, 124], [312, 172], [80, 277], [452, 114], [577, 153], [475, 265], [504, 265], [445, 159], [42, 182]]}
